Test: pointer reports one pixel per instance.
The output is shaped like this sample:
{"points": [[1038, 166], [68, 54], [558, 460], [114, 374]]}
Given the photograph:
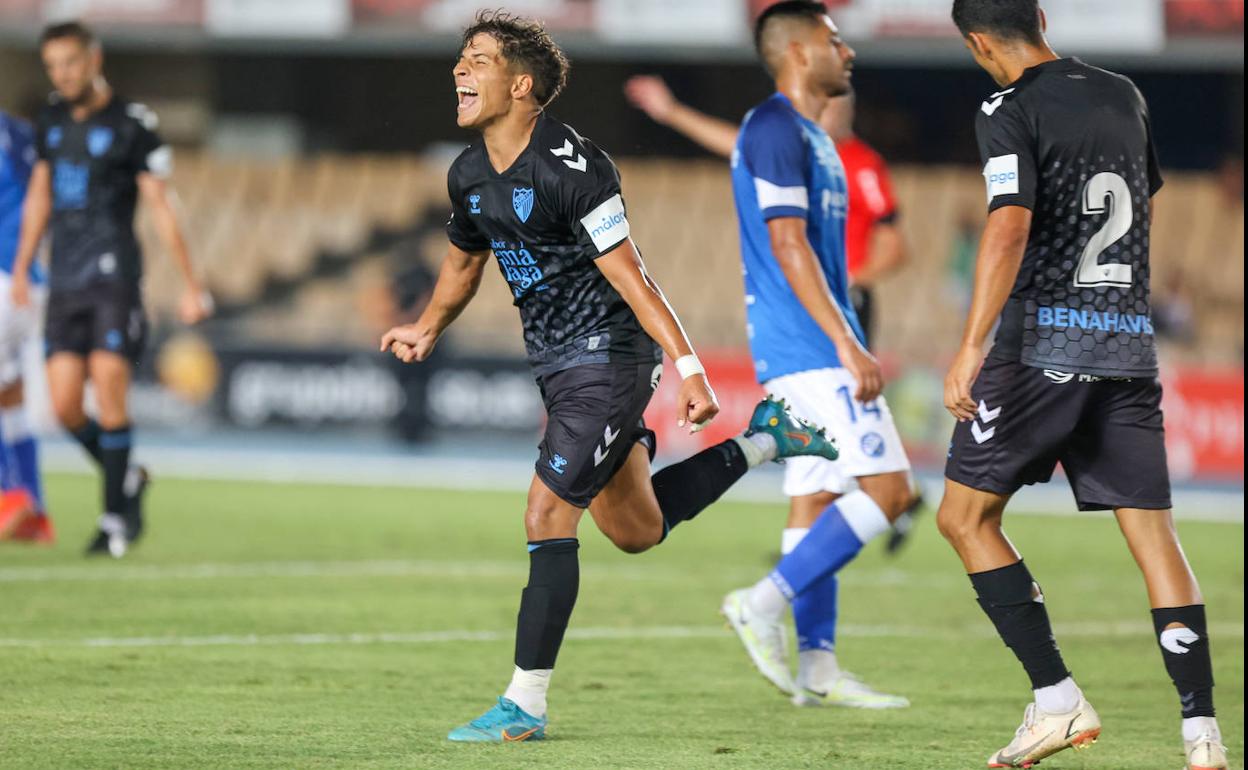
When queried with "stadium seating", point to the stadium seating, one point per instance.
{"points": [[251, 223]]}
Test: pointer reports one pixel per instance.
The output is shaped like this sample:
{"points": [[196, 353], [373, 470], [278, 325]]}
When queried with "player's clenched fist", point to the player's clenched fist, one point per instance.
{"points": [[409, 343], [696, 405]]}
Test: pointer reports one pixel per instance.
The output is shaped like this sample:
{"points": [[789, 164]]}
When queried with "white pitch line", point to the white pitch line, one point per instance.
{"points": [[1112, 629]]}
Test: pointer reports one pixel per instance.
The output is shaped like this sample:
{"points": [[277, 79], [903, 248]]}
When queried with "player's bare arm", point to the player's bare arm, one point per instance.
{"points": [[651, 95], [797, 259], [889, 253], [624, 269], [996, 267], [195, 304], [36, 212], [458, 281]]}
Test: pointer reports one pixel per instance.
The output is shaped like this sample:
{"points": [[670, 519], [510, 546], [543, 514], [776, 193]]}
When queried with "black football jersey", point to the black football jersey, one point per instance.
{"points": [[1073, 144], [546, 219], [94, 165]]}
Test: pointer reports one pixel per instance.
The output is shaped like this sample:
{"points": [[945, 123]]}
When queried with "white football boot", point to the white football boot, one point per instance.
{"points": [[765, 640], [1042, 735], [1207, 751], [844, 689]]}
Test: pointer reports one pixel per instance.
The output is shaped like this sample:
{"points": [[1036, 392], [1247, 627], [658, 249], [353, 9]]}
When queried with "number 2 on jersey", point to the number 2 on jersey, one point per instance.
{"points": [[1091, 272]]}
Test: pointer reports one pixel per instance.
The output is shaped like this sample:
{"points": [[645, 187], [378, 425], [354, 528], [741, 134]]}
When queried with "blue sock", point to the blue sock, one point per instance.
{"points": [[19, 454], [835, 539], [814, 614]]}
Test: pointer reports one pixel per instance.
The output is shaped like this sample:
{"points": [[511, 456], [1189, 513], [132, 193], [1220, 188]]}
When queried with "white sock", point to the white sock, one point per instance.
{"points": [[757, 448], [790, 538], [112, 524], [766, 599], [863, 515], [528, 690], [815, 667], [1194, 727], [1060, 698]]}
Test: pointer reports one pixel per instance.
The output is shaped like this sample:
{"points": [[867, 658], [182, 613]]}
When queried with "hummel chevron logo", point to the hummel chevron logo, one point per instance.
{"points": [[980, 434], [997, 99], [566, 152], [600, 453], [986, 414]]}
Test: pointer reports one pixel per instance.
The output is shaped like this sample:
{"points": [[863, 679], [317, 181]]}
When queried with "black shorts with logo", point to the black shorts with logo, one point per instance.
{"points": [[593, 418], [106, 316], [1107, 434]]}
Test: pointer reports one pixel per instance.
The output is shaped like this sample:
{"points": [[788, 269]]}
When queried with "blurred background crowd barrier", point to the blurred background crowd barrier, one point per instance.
{"points": [[313, 138]]}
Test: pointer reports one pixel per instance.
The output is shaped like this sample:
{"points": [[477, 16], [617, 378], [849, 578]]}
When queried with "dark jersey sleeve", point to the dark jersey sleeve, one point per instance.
{"points": [[1154, 165], [460, 230], [148, 152], [42, 123], [585, 189], [774, 151], [1008, 151]]}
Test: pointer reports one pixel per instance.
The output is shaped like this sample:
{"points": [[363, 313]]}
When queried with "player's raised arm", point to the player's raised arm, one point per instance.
{"points": [[624, 269], [36, 213], [651, 95], [458, 281]]}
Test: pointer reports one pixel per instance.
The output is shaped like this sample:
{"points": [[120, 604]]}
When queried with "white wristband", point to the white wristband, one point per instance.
{"points": [[689, 365]]}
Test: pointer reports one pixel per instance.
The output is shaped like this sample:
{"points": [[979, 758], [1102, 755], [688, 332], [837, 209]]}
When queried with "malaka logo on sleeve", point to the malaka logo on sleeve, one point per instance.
{"points": [[522, 202], [1001, 174]]}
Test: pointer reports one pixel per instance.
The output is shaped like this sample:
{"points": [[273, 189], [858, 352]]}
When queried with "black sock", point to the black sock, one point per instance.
{"points": [[1184, 641], [547, 601], [1012, 600], [89, 437], [115, 460], [687, 487]]}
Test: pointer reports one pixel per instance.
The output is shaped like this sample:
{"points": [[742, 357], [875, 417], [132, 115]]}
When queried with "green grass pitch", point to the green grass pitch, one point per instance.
{"points": [[295, 626]]}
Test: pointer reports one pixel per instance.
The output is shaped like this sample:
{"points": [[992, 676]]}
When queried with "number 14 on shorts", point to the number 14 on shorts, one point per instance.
{"points": [[854, 408]]}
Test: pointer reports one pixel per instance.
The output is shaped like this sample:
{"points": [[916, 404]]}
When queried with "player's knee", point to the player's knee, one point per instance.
{"points": [[958, 524], [893, 499], [68, 413], [636, 540]]}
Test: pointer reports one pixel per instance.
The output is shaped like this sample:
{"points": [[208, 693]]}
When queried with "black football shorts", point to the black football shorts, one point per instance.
{"points": [[106, 316], [1106, 432], [593, 418]]}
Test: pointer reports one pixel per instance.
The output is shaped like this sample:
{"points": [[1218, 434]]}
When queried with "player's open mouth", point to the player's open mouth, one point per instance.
{"points": [[467, 97]]}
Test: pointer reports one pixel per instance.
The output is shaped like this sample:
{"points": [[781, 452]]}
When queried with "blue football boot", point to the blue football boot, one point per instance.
{"points": [[505, 723], [794, 436]]}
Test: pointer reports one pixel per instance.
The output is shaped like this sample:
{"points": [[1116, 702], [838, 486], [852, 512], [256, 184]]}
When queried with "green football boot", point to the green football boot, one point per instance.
{"points": [[794, 436]]}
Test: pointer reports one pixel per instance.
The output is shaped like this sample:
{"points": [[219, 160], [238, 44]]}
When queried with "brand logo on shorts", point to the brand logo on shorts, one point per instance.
{"points": [[982, 434], [1061, 378], [873, 444], [557, 464], [113, 339], [601, 452], [655, 376]]}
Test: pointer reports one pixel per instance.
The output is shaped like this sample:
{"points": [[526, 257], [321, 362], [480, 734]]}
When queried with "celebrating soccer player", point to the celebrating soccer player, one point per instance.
{"points": [[97, 154], [546, 202], [22, 515], [1072, 376], [809, 349]]}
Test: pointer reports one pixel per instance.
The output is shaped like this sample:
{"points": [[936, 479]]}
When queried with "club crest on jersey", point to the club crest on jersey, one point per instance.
{"points": [[99, 139], [474, 204], [55, 134], [522, 202]]}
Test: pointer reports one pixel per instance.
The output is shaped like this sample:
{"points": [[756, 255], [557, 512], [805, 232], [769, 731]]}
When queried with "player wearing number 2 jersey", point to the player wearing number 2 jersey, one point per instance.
{"points": [[1071, 170]]}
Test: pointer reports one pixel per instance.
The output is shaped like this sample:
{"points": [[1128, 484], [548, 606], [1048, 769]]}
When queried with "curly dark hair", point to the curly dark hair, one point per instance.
{"points": [[527, 45]]}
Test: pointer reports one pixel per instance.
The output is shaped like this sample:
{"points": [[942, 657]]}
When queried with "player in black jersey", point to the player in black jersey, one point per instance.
{"points": [[98, 154], [1072, 376], [546, 202]]}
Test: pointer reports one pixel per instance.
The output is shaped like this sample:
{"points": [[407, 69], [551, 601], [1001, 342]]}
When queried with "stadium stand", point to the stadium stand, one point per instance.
{"points": [[308, 223]]}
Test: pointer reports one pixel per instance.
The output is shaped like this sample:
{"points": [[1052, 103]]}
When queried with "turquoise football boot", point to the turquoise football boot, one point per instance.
{"points": [[794, 436], [505, 723]]}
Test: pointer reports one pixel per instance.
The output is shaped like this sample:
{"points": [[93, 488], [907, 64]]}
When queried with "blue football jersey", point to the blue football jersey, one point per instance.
{"points": [[17, 160], [786, 166]]}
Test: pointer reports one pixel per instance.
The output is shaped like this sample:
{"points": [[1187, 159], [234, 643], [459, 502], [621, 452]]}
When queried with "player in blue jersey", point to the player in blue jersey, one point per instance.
{"points": [[808, 350], [22, 514]]}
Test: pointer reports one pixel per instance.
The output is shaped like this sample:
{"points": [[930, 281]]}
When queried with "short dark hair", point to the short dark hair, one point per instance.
{"points": [[787, 9], [1007, 19], [809, 10], [68, 29], [526, 44]]}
